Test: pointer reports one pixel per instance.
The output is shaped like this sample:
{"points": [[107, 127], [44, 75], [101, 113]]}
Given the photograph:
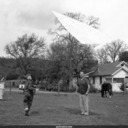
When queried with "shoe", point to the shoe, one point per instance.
{"points": [[82, 113], [26, 111], [26, 114], [86, 113]]}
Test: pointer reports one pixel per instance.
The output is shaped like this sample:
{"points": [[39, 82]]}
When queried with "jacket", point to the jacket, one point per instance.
{"points": [[29, 88], [82, 85]]}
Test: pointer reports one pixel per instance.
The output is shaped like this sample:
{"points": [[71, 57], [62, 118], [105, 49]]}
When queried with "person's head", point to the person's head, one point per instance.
{"points": [[81, 74], [29, 77]]}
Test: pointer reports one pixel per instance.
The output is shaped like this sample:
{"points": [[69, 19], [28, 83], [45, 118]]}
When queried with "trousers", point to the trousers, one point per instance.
{"points": [[28, 99], [84, 103]]}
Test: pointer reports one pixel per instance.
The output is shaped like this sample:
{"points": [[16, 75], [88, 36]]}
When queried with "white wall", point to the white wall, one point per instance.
{"points": [[97, 83], [116, 87], [125, 66], [120, 74]]}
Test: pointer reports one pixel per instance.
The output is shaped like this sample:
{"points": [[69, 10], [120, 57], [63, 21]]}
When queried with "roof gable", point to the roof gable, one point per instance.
{"points": [[121, 68], [108, 68], [120, 73], [122, 63]]}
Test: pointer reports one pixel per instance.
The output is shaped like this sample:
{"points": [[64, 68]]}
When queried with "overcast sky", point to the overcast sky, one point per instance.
{"points": [[35, 16]]}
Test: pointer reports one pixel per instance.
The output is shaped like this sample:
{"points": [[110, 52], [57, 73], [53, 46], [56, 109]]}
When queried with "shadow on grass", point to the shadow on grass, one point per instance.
{"points": [[6, 99], [34, 113], [60, 95], [75, 111]]}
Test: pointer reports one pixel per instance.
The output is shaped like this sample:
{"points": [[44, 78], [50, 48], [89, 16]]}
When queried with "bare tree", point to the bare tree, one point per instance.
{"points": [[60, 32], [102, 55], [93, 21], [111, 51], [62, 35], [24, 49]]}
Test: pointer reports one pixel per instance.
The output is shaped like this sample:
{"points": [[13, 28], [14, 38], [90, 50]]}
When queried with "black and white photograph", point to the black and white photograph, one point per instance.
{"points": [[64, 63]]}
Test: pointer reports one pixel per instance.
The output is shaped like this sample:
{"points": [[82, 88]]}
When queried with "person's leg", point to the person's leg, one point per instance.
{"points": [[86, 104], [81, 103], [30, 102], [26, 102]]}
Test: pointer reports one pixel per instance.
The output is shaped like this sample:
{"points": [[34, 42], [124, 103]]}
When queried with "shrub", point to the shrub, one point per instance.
{"points": [[93, 89], [12, 76]]}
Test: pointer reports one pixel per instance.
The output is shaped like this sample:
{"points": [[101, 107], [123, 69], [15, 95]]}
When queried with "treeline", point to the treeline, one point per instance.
{"points": [[47, 72], [59, 63], [65, 54], [29, 55]]}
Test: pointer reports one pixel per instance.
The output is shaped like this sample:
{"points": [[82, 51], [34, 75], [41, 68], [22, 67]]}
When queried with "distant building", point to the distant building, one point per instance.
{"points": [[114, 73], [14, 83]]}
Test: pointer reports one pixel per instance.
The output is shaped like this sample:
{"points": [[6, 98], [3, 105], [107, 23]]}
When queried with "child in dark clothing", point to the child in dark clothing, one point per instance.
{"points": [[29, 92]]}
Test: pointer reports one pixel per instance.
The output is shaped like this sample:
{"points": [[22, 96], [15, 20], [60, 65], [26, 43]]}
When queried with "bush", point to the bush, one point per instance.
{"points": [[65, 86], [72, 89], [12, 76], [43, 85], [53, 86], [93, 89]]}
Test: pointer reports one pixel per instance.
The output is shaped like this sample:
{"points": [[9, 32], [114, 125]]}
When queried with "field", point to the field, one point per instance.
{"points": [[63, 109]]}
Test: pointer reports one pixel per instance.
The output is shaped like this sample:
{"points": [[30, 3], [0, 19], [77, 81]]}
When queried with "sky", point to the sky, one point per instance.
{"points": [[18, 17]]}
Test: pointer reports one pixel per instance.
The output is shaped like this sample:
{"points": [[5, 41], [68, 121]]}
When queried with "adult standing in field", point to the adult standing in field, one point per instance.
{"points": [[83, 90], [29, 92]]}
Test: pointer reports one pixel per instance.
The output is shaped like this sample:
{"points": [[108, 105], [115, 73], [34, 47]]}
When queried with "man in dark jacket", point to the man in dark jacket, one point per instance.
{"points": [[83, 90], [29, 92]]}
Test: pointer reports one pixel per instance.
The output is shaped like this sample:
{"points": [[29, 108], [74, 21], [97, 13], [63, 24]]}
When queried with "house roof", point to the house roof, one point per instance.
{"points": [[108, 69]]}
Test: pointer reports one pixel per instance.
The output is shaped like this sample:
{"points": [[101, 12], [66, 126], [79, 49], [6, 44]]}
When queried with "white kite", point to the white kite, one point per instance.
{"points": [[82, 32]]}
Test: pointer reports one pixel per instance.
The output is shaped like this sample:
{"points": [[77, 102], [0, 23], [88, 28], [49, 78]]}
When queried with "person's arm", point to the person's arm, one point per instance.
{"points": [[30, 86], [88, 87]]}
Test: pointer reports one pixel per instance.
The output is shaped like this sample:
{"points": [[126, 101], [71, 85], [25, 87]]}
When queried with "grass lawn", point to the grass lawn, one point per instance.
{"points": [[51, 109]]}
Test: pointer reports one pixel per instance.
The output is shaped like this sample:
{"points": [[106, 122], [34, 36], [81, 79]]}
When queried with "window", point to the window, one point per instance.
{"points": [[109, 80], [122, 64], [118, 80]]}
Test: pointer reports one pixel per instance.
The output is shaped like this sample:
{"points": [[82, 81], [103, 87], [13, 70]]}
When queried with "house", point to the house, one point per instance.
{"points": [[114, 73], [14, 83]]}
